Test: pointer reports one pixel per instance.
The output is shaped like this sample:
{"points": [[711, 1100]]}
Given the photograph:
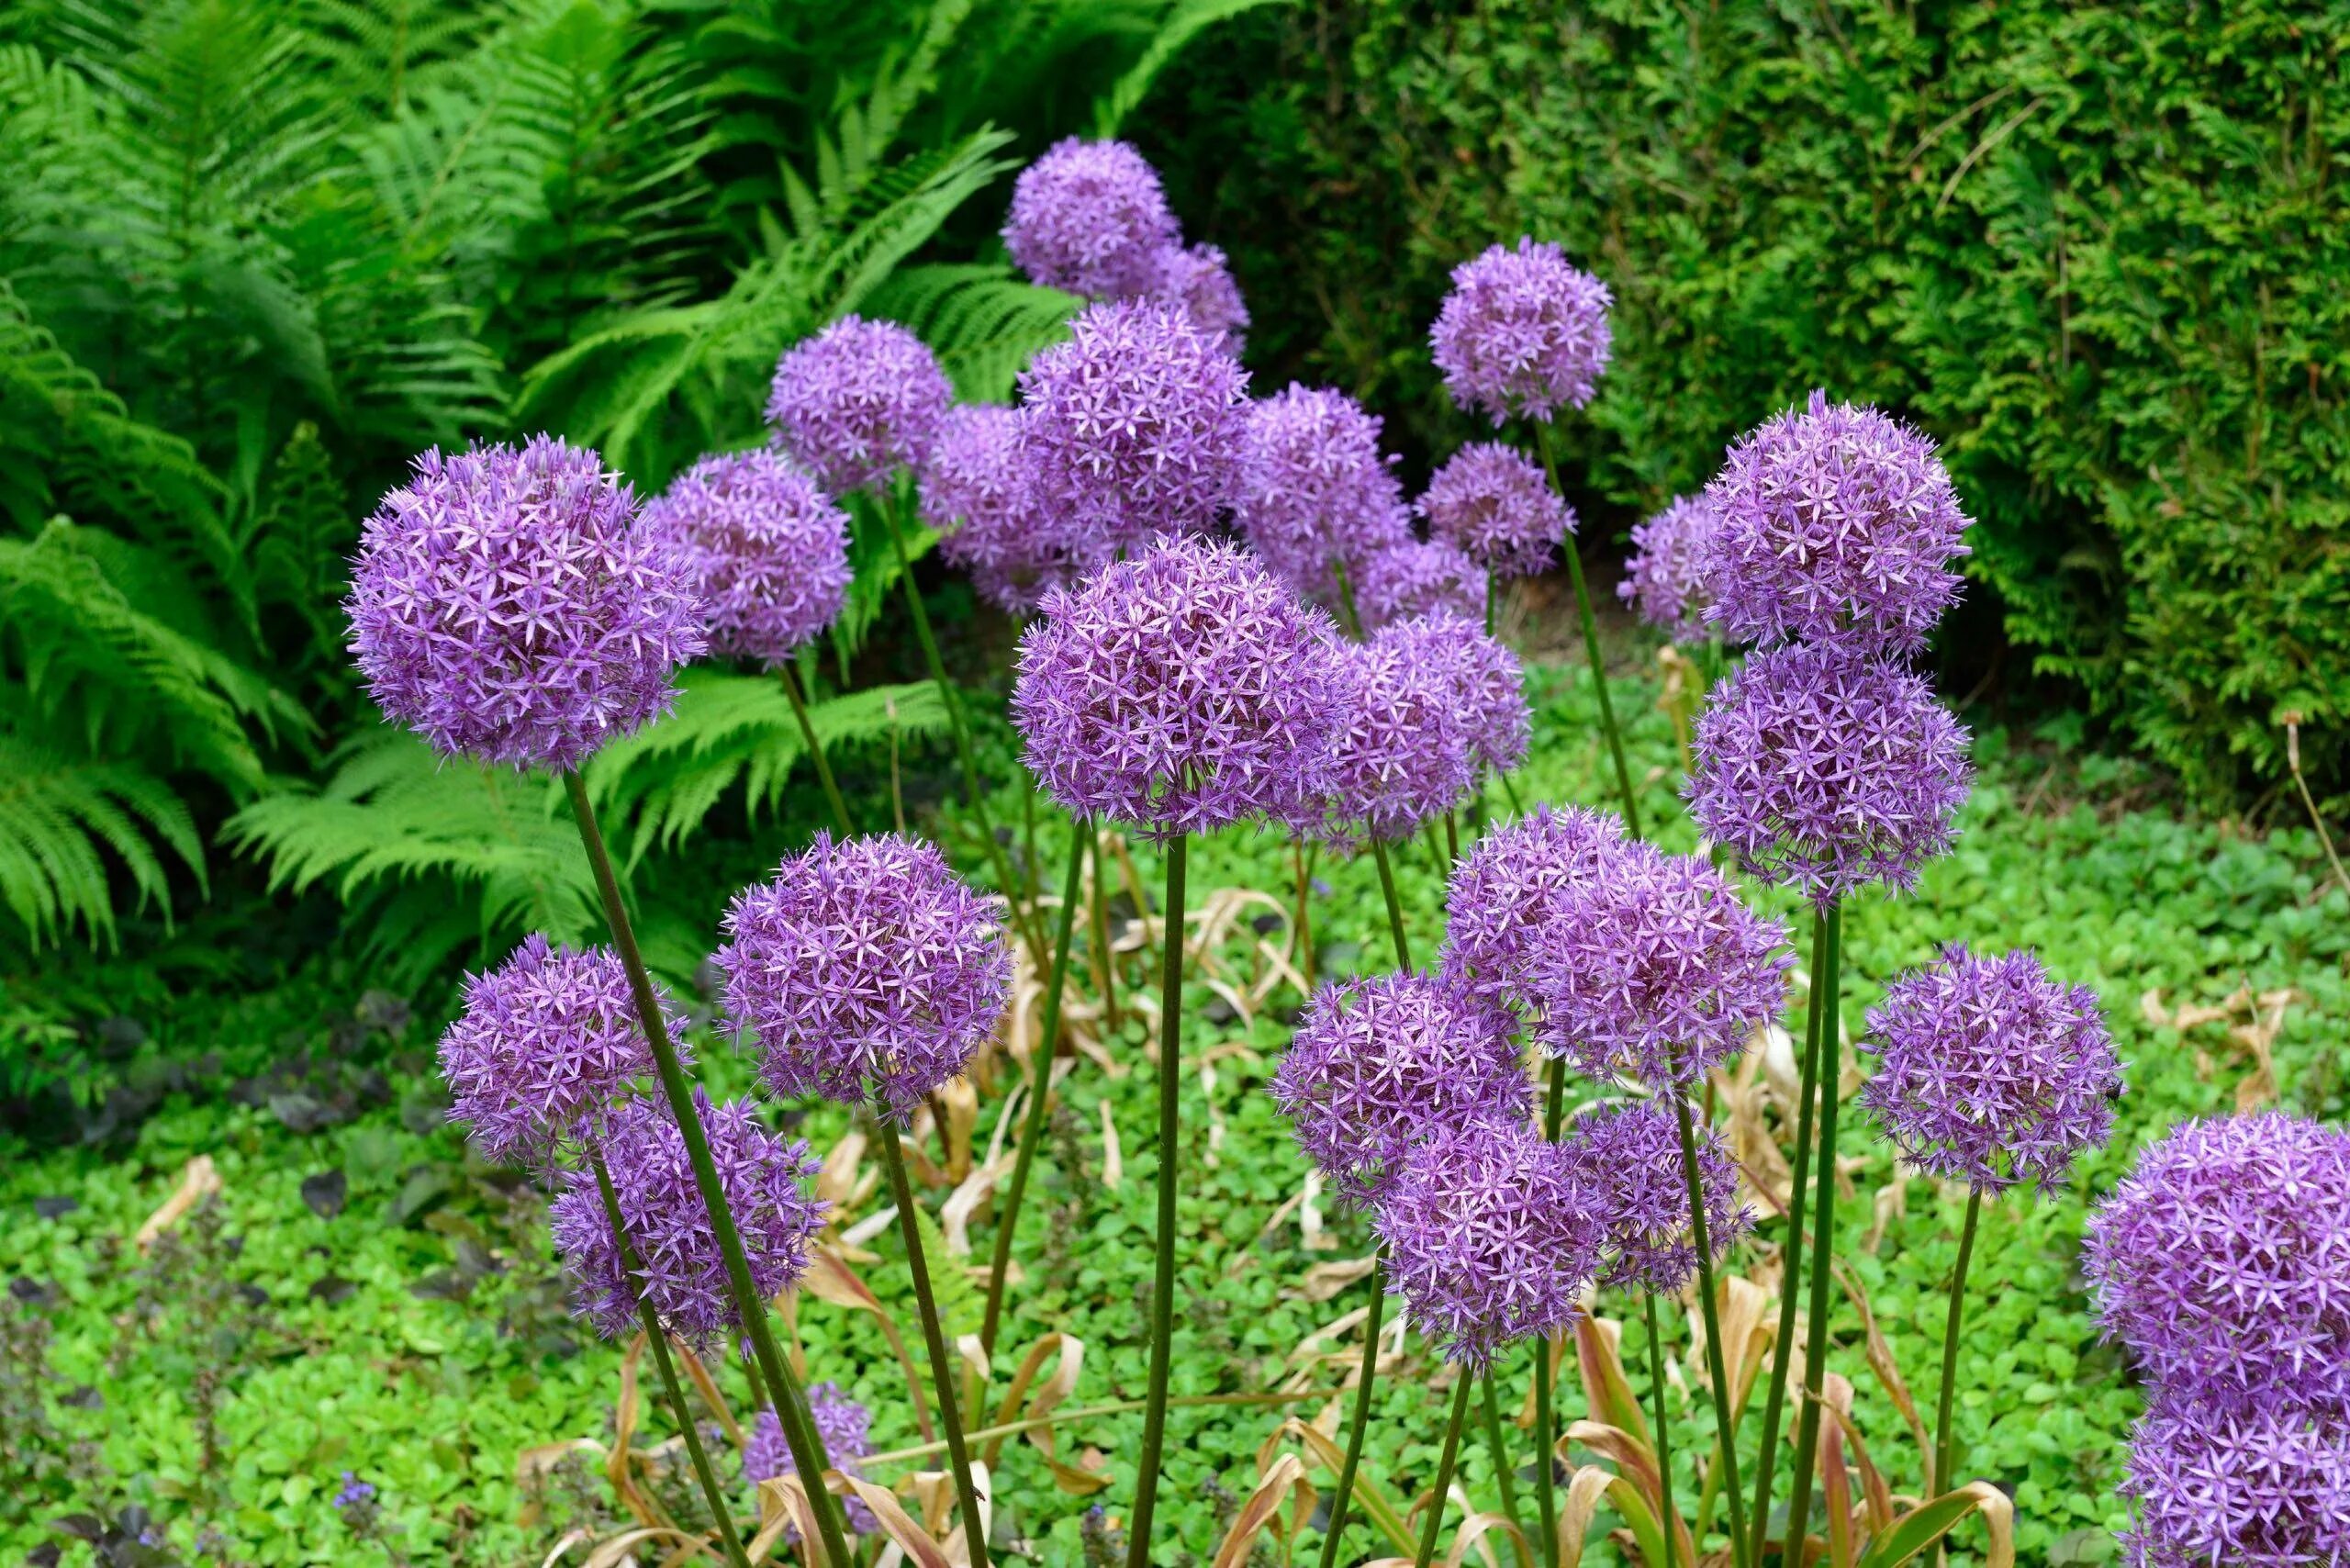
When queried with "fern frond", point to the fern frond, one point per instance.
{"points": [[983, 322], [1181, 24], [65, 826]]}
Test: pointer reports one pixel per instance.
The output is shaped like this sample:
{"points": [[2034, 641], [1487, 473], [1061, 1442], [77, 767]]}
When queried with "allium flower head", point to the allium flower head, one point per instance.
{"points": [[975, 492], [2268, 1488], [1990, 1072], [1664, 577], [858, 401], [1489, 1236], [1487, 682], [1377, 1063], [1419, 576], [1827, 770], [1133, 425], [1495, 506], [1628, 1158], [1181, 691], [547, 1042], [1089, 218], [842, 1426], [1199, 278], [1502, 906], [866, 967], [767, 550], [504, 605], [1398, 752], [1314, 489], [1656, 968], [1836, 525], [1522, 333], [2223, 1262], [684, 1276]]}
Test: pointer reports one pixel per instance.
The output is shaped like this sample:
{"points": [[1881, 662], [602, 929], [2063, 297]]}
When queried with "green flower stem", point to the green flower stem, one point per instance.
{"points": [[1451, 843], [659, 1339], [1823, 1247], [1040, 1089], [1504, 1470], [1162, 1299], [1353, 616], [815, 747], [1664, 1426], [1361, 1421], [1546, 1427], [942, 1366], [1492, 599], [1394, 905], [1462, 1384], [1791, 1252], [1590, 647], [1945, 1460], [1509, 793], [806, 1444], [1105, 962], [1725, 1421]]}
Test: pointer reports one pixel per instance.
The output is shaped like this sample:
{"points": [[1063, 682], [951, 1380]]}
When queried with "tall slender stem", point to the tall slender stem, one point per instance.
{"points": [[1162, 1299], [1040, 1087], [1451, 843], [1347, 598], [1546, 1427], [1790, 1254], [815, 747], [1664, 1426], [1462, 1384], [1394, 905], [1725, 1422], [942, 1367], [1590, 647], [658, 1338], [1505, 1469], [1105, 962], [806, 1444], [1944, 1459], [1361, 1422], [1509, 793], [1493, 597], [1823, 1248]]}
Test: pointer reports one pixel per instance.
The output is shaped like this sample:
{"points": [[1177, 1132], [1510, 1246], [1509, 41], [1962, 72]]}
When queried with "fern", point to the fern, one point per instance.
{"points": [[1182, 23], [58, 815], [984, 324]]}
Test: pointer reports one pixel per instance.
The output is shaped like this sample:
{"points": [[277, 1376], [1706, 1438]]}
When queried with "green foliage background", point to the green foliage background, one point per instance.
{"points": [[2098, 249]]}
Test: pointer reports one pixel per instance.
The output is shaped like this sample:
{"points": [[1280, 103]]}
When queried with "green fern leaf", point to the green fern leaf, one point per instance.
{"points": [[66, 824]]}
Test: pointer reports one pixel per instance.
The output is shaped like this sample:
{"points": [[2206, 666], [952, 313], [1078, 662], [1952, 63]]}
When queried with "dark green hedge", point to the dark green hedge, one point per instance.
{"points": [[2102, 251]]}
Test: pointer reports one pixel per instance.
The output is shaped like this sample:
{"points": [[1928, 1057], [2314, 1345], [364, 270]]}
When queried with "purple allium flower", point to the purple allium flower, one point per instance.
{"points": [[1835, 524], [1664, 577], [2223, 1262], [1419, 576], [1522, 333], [1181, 691], [1377, 1063], [1495, 506], [1397, 754], [1827, 770], [867, 969], [975, 492], [547, 1042], [1089, 218], [1134, 427], [1315, 490], [842, 1426], [1990, 1072], [685, 1277], [1199, 278], [767, 550], [1490, 1238], [1501, 905], [2268, 1488], [1656, 968], [504, 605], [858, 401], [1627, 1157], [1488, 684]]}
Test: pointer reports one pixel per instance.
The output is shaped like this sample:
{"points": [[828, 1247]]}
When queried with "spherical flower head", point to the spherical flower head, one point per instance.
{"points": [[2268, 1487], [1419, 576], [505, 606], [1488, 683], [2223, 1262], [1837, 524], [1377, 1063], [1133, 425], [1181, 691], [1628, 1158], [1496, 507], [1990, 1072], [868, 969], [1656, 969], [1199, 278], [1827, 769], [1664, 578], [1522, 334], [842, 1426], [766, 549], [1316, 496], [975, 492], [858, 401], [684, 1275], [548, 1041], [1502, 906], [1490, 1238], [1397, 755], [1089, 218]]}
